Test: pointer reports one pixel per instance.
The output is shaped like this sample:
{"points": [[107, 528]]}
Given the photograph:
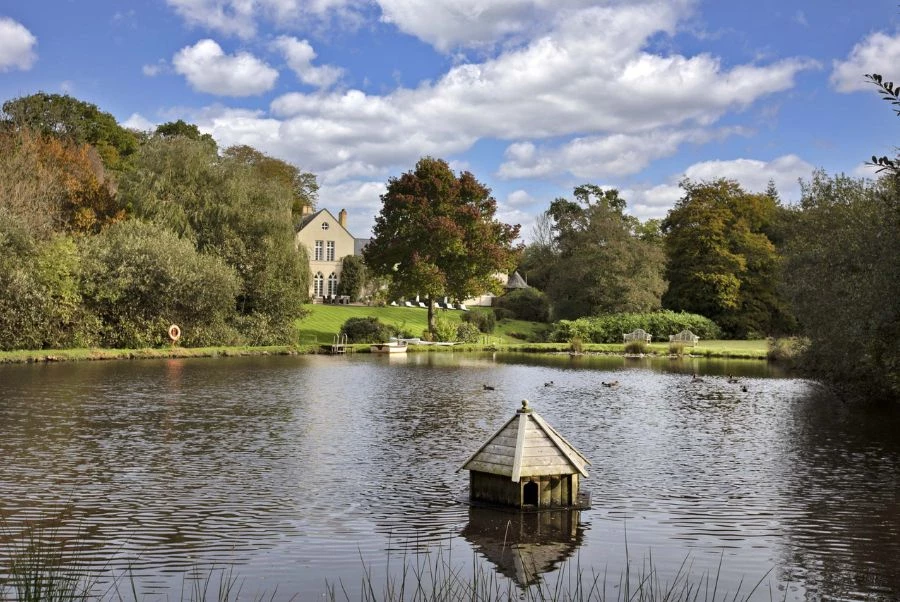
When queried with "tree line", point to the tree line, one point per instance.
{"points": [[108, 235]]}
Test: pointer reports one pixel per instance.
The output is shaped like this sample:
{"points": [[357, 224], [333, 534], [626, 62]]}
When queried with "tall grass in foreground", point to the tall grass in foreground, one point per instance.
{"points": [[42, 567], [433, 578]]}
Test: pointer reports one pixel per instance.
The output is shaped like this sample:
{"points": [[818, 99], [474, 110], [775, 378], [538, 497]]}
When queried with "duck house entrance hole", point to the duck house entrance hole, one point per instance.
{"points": [[530, 494]]}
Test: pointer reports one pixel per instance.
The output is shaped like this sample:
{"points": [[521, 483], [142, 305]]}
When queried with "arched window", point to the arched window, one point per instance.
{"points": [[332, 284], [318, 285]]}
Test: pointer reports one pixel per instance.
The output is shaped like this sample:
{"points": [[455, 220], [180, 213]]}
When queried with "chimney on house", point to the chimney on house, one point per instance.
{"points": [[342, 218], [306, 210]]}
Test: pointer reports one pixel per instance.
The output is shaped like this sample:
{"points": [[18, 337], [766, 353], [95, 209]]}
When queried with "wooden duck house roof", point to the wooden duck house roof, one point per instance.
{"points": [[526, 446]]}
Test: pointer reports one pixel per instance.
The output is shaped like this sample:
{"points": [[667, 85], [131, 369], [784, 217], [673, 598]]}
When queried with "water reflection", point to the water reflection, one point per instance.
{"points": [[524, 545], [843, 480], [296, 468]]}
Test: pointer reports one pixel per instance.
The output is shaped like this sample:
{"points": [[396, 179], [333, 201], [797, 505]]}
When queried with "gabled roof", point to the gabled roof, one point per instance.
{"points": [[516, 281], [310, 217], [526, 446]]}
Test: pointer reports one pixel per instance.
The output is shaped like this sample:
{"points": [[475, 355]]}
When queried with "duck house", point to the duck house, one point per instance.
{"points": [[527, 465]]}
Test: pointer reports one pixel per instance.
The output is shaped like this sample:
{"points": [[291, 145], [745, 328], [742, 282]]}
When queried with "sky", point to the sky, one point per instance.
{"points": [[534, 97]]}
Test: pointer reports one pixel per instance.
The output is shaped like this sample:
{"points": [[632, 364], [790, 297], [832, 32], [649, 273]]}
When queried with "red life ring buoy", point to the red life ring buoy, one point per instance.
{"points": [[174, 332]]}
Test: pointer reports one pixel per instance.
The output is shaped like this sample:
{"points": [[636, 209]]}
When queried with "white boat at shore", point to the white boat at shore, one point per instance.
{"points": [[392, 347]]}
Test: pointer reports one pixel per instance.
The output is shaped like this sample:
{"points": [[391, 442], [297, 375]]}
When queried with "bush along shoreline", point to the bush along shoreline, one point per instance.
{"points": [[756, 350]]}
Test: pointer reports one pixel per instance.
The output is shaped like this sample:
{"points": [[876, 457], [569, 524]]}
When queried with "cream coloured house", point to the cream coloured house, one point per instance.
{"points": [[327, 241]]}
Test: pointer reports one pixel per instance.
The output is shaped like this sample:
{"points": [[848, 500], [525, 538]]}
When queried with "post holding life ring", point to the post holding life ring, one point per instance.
{"points": [[174, 333]]}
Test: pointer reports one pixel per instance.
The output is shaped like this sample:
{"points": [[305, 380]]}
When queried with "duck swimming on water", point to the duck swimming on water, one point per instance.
{"points": [[612, 383], [488, 387]]}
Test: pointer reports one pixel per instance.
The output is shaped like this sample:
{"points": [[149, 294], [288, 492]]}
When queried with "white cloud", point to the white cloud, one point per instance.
{"points": [[208, 69], [520, 198], [877, 53], [866, 170], [240, 17], [16, 46], [231, 17], [600, 156], [299, 55], [361, 199], [753, 175], [153, 70], [570, 82], [626, 106], [139, 122]]}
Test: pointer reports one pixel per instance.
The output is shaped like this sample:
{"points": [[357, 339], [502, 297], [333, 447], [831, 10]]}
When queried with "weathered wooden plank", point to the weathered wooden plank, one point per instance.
{"points": [[495, 459], [528, 462], [541, 471], [501, 450], [500, 469]]}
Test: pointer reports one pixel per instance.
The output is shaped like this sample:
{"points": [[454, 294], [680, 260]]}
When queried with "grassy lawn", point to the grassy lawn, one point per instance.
{"points": [[325, 321]]}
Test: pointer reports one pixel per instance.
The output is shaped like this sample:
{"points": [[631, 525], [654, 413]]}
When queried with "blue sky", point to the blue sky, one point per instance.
{"points": [[533, 96]]}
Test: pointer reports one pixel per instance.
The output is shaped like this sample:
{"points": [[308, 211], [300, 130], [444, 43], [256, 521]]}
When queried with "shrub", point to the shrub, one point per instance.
{"points": [[501, 313], [367, 330], [786, 350], [483, 320], [138, 278], [526, 304], [444, 328], [637, 347], [676, 348], [610, 328], [576, 344], [467, 333]]}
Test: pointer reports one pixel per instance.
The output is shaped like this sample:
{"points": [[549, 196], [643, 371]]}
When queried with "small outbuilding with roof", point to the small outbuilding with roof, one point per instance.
{"points": [[527, 464]]}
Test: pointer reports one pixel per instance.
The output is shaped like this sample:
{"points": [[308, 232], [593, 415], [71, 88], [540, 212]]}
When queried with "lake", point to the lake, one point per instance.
{"points": [[297, 473]]}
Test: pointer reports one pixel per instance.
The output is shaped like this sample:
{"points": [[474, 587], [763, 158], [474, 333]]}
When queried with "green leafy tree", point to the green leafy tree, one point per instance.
{"points": [[172, 129], [842, 274], [229, 208], [75, 121], [303, 184], [353, 277], [436, 236], [40, 302], [138, 278], [601, 261], [721, 262]]}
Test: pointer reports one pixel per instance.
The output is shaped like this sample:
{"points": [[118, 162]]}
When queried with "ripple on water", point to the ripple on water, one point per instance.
{"points": [[296, 469]]}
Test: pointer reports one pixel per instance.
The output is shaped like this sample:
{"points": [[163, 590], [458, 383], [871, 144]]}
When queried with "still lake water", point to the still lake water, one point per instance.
{"points": [[299, 471]]}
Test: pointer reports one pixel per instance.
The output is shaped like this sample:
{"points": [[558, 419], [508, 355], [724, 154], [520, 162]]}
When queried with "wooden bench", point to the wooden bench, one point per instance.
{"points": [[685, 336], [638, 335]]}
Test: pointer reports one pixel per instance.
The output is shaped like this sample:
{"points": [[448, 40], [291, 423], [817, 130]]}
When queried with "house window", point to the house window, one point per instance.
{"points": [[318, 285], [332, 284], [329, 251], [318, 250], [324, 225]]}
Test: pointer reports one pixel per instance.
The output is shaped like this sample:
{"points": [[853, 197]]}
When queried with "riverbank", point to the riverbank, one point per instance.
{"points": [[714, 349]]}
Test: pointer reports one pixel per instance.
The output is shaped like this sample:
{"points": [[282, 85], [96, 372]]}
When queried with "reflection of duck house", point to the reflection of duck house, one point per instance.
{"points": [[524, 545], [527, 465]]}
